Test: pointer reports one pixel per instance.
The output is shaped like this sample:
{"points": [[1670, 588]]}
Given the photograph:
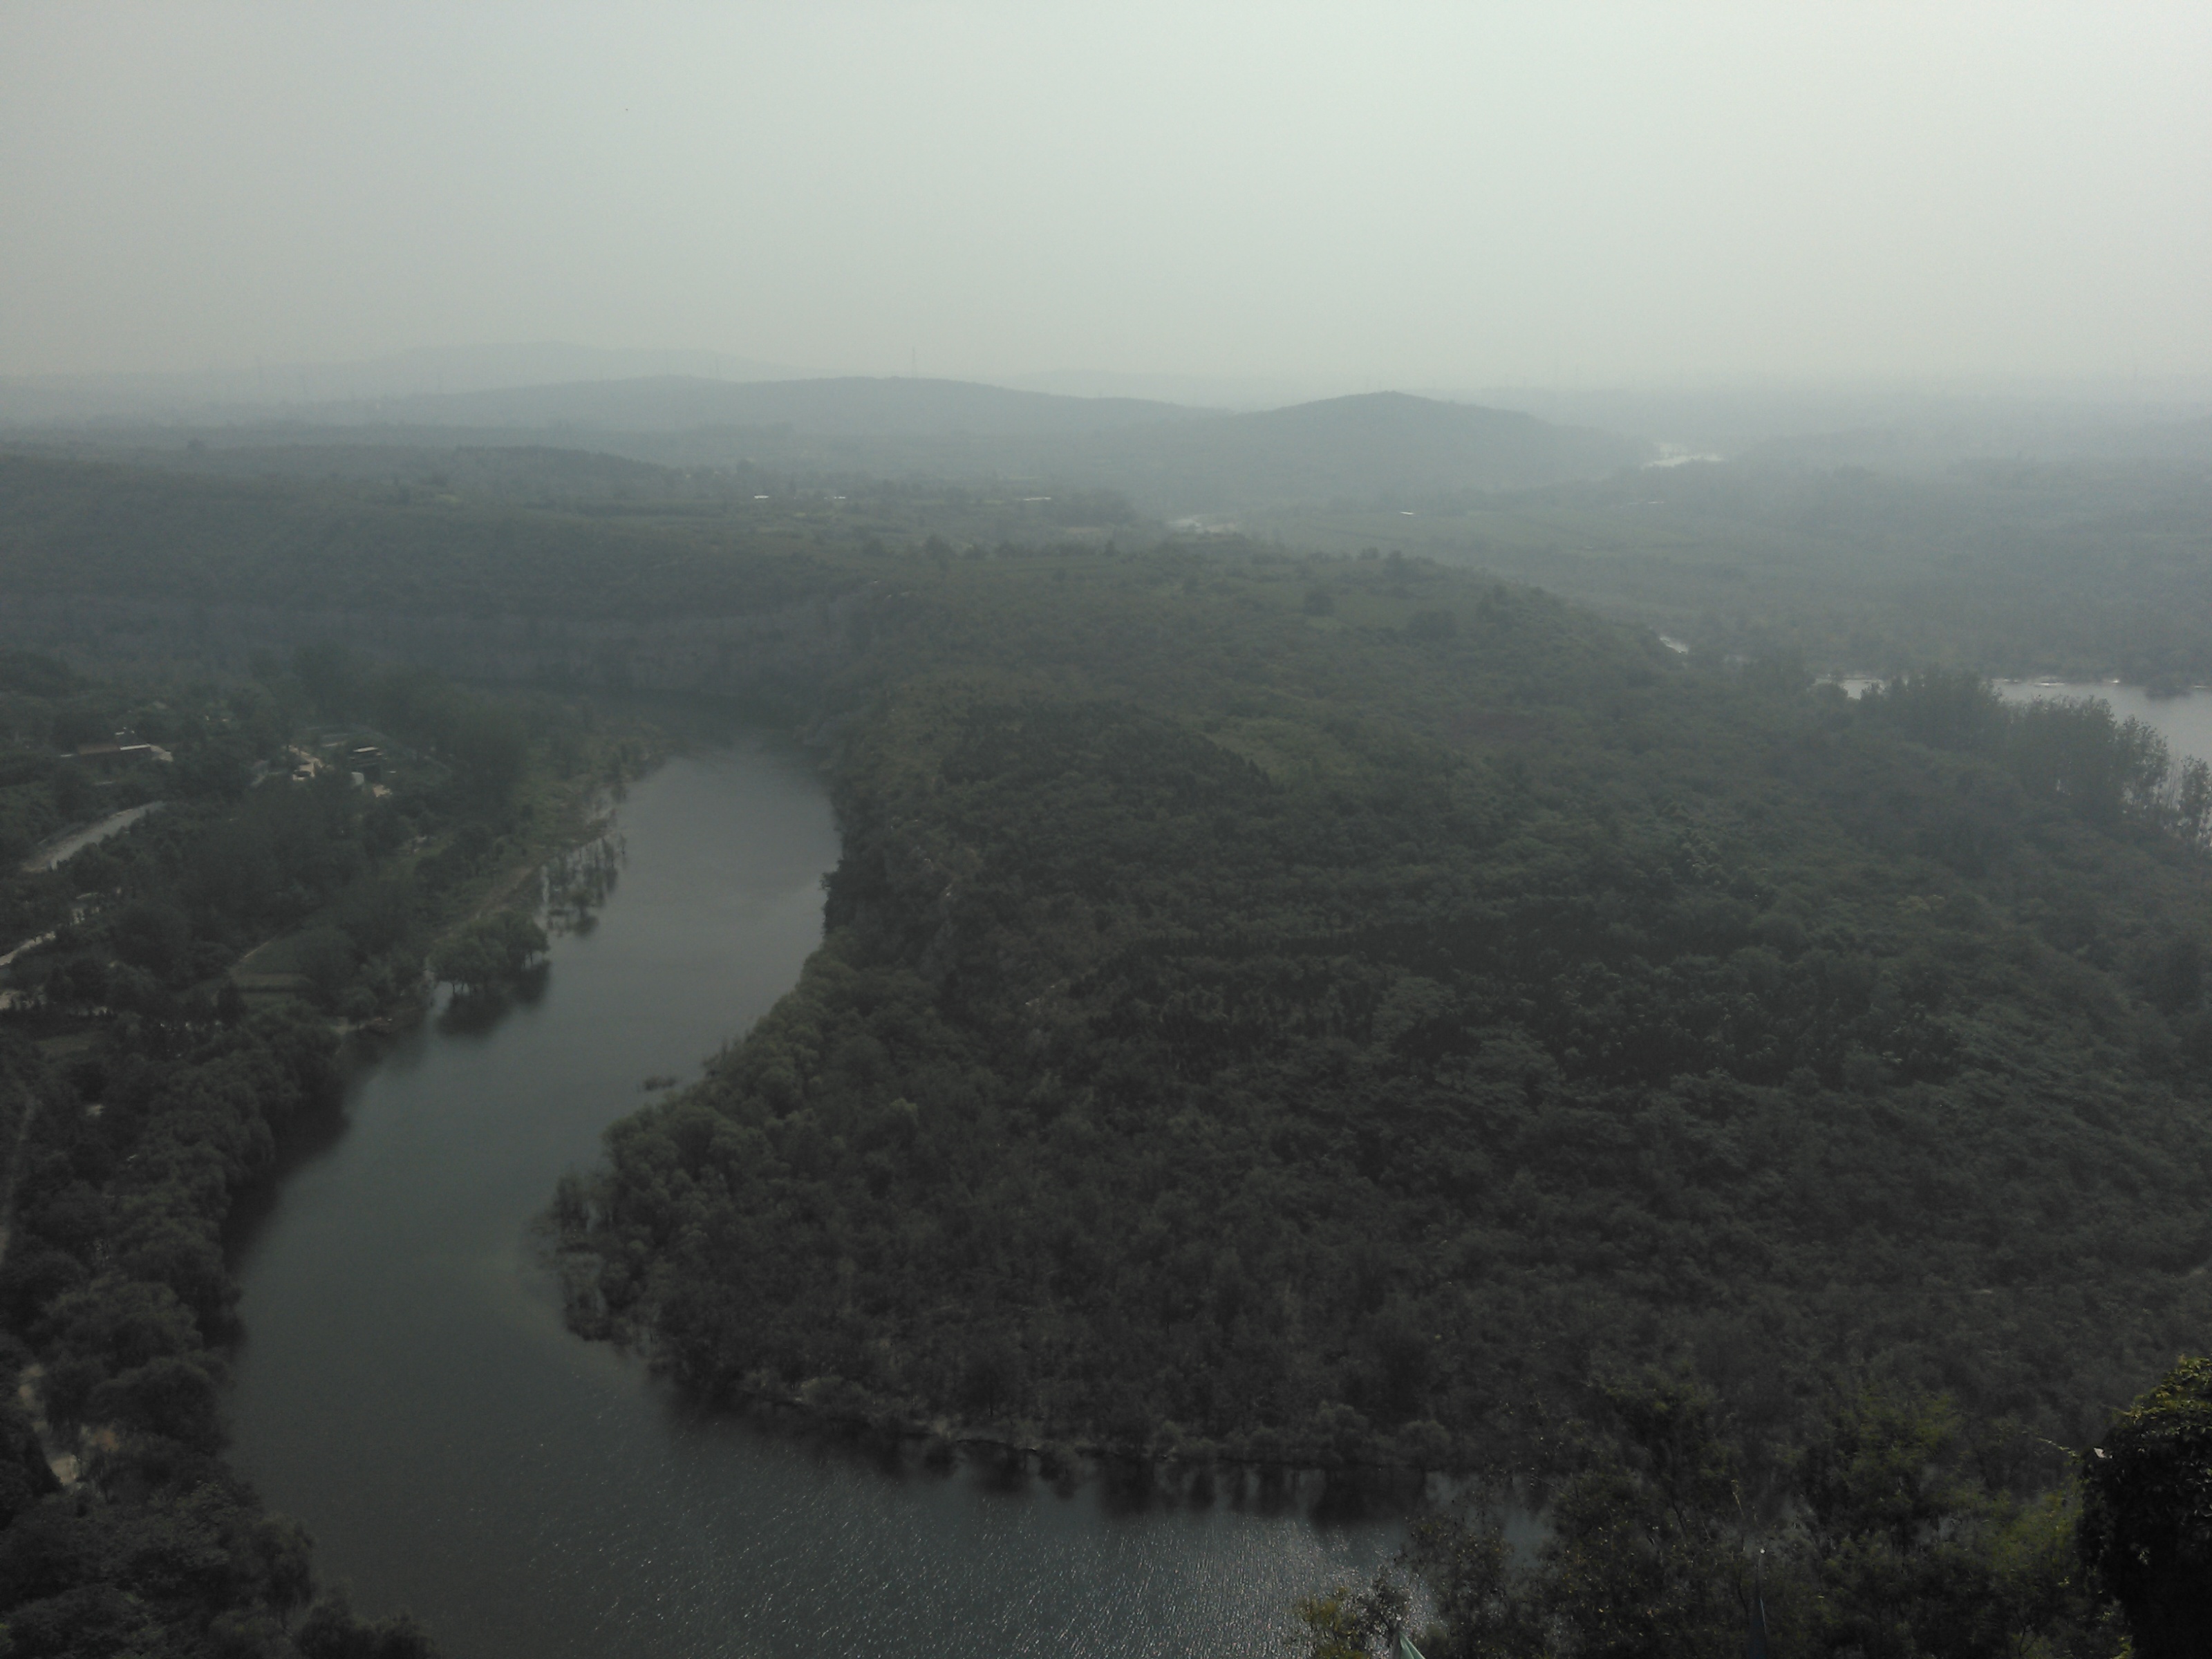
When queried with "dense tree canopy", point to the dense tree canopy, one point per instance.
{"points": [[1340, 1012], [1302, 1037], [2147, 1522]]}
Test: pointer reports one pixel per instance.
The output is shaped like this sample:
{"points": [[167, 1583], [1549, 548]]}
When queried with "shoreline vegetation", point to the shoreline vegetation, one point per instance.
{"points": [[1341, 1046], [1317, 1011], [891, 977], [154, 1054]]}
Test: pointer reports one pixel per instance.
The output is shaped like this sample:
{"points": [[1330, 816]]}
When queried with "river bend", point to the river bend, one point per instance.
{"points": [[407, 1390]]}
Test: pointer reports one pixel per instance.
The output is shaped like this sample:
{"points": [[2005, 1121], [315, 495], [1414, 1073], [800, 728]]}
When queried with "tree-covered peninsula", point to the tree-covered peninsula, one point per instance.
{"points": [[1342, 1033], [1315, 1011]]}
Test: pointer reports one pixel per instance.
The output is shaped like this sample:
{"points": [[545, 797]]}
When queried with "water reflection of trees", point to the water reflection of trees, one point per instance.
{"points": [[1119, 1487], [478, 1012], [577, 883]]}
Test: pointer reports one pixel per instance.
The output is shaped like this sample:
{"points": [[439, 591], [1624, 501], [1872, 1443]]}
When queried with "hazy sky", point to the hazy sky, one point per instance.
{"points": [[1468, 193]]}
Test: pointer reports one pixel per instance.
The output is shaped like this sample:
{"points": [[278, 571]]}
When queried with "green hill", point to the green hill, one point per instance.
{"points": [[1335, 1008], [1339, 1036]]}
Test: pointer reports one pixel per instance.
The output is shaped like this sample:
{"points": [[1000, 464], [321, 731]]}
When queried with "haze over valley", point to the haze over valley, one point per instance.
{"points": [[955, 828]]}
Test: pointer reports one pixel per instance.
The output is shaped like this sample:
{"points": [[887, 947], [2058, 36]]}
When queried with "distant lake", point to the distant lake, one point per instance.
{"points": [[406, 1387], [2185, 721]]}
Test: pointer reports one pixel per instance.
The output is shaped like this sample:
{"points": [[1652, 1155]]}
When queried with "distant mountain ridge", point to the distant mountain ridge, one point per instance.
{"points": [[267, 389], [1378, 444], [1168, 458], [845, 406]]}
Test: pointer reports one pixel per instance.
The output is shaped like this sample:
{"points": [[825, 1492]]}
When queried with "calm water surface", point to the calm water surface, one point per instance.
{"points": [[2185, 722], [407, 1389]]}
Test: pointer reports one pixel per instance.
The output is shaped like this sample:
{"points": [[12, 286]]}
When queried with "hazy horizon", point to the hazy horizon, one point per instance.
{"points": [[500, 364], [1310, 198], [1961, 416]]}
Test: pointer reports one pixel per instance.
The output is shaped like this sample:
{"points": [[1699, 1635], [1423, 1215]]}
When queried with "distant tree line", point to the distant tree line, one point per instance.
{"points": [[2083, 569], [2074, 752]]}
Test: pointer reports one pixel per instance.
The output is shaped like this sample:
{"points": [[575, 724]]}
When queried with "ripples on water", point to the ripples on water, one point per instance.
{"points": [[803, 1551]]}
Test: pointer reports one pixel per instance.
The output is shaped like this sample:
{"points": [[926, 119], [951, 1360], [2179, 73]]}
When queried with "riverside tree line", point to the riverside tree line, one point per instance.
{"points": [[1365, 1033], [1245, 1033], [140, 1091]]}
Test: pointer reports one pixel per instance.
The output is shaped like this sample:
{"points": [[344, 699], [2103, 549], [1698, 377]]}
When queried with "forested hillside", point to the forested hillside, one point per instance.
{"points": [[1343, 1012], [1341, 1036], [85, 530], [2084, 569], [1376, 448]]}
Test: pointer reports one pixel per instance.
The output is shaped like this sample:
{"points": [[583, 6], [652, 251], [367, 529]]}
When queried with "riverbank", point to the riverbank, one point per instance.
{"points": [[409, 1391], [144, 1089], [553, 817], [2184, 718], [1168, 1455], [1246, 1079]]}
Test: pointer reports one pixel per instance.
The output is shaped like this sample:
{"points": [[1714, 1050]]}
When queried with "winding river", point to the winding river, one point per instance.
{"points": [[408, 1391]]}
